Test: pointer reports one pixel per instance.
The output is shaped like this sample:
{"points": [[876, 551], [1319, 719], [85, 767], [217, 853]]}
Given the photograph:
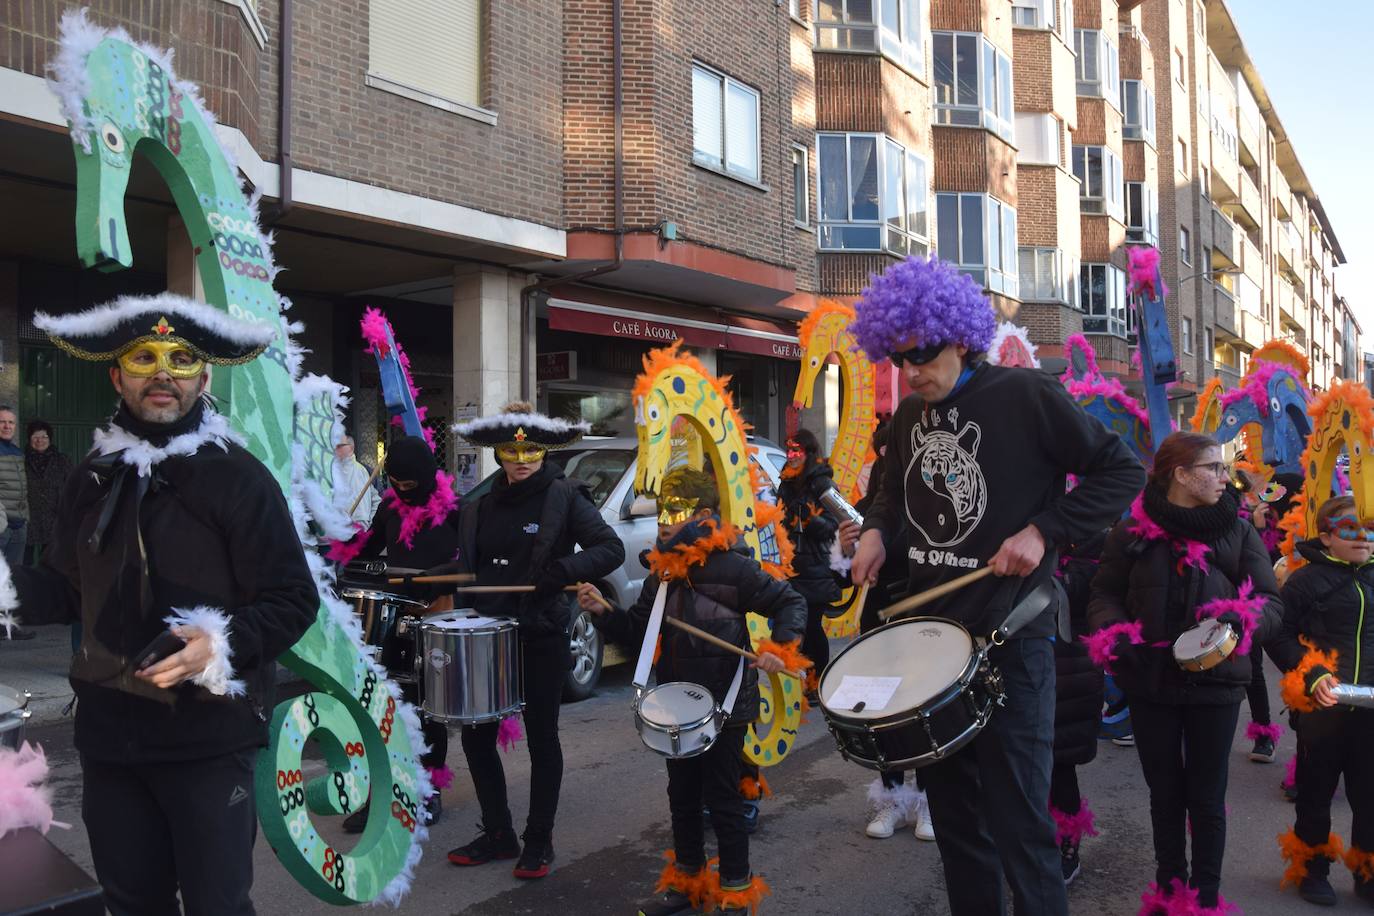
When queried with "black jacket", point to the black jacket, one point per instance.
{"points": [[1331, 604], [715, 597], [812, 530], [430, 547], [567, 518], [217, 532], [1138, 579], [967, 473], [1078, 682]]}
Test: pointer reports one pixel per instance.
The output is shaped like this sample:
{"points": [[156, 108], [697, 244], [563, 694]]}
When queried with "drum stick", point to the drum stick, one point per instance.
{"points": [[499, 589], [718, 642], [363, 492], [428, 580], [930, 594]]}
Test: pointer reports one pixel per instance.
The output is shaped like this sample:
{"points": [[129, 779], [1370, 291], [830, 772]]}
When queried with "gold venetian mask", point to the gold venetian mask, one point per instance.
{"points": [[673, 510], [520, 453], [146, 359]]}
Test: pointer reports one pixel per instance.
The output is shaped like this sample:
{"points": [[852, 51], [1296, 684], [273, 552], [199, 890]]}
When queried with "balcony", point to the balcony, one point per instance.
{"points": [[1249, 198], [1251, 260], [1283, 246], [1225, 241], [1286, 301], [1224, 305], [1254, 330], [1229, 375], [1282, 193]]}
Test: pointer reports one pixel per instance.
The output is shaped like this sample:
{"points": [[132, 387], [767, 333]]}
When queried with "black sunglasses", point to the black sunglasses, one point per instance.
{"points": [[917, 356]]}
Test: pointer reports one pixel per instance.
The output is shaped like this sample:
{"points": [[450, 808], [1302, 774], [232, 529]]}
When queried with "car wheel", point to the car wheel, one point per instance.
{"points": [[587, 648]]}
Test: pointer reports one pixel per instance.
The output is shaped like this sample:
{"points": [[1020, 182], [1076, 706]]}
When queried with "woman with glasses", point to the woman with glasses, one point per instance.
{"points": [[1183, 554]]}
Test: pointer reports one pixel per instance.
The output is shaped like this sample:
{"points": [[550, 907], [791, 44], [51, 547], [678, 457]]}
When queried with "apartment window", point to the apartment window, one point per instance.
{"points": [[1102, 290], [1183, 155], [1180, 70], [873, 195], [972, 83], [1033, 14], [896, 32], [1142, 213], [1187, 335], [725, 124], [794, 7], [1138, 111], [1066, 27], [436, 59], [1185, 245], [977, 232], [1211, 350], [801, 198], [1205, 179], [1046, 277], [1100, 187], [1098, 66], [1037, 138]]}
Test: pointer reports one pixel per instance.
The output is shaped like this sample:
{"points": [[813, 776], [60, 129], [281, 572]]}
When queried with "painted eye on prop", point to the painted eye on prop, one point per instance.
{"points": [[1231, 421], [1274, 406], [653, 412], [815, 361], [111, 137]]}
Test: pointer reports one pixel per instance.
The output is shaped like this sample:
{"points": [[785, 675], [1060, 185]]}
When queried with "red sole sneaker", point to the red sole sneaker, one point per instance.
{"points": [[531, 873], [468, 860]]}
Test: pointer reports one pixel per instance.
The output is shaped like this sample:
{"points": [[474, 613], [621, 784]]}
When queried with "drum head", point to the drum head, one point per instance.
{"points": [[464, 620], [11, 700], [1199, 640], [678, 703], [926, 653]]}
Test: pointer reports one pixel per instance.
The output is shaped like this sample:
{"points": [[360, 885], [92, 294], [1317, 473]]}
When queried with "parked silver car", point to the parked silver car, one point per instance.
{"points": [[608, 465]]}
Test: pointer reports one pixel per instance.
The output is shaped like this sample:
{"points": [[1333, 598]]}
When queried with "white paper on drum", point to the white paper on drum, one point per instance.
{"points": [[873, 692]]}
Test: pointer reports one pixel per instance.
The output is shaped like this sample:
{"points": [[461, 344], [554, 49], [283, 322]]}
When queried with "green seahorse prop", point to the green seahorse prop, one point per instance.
{"points": [[121, 98]]}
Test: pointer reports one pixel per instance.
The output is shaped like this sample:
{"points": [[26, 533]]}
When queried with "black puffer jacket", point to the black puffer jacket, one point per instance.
{"points": [[812, 531], [1078, 682], [1140, 579], [715, 597], [556, 515], [1331, 604]]}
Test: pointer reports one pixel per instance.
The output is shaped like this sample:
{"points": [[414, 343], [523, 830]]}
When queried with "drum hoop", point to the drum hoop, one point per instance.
{"points": [[936, 703], [965, 678], [486, 629], [20, 697], [682, 727]]}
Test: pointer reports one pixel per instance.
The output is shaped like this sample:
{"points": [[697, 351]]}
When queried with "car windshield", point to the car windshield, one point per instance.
{"points": [[601, 469]]}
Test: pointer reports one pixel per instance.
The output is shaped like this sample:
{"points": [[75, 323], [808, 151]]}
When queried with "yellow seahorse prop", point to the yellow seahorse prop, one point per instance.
{"points": [[826, 331], [675, 387]]}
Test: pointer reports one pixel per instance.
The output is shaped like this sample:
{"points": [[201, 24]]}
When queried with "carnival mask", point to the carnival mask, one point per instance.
{"points": [[1350, 528], [673, 510], [151, 357], [520, 453]]}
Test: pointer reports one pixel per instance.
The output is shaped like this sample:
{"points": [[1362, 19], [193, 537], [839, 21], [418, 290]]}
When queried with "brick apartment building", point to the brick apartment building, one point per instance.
{"points": [[537, 193]]}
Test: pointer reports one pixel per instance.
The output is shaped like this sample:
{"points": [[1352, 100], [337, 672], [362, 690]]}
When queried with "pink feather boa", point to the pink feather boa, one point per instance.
{"points": [[432, 514], [1080, 343], [1181, 900], [1073, 827], [1190, 553], [440, 777], [1142, 262], [1109, 389], [1246, 605], [1290, 773], [345, 552], [509, 733], [1102, 644], [1256, 387], [1254, 731], [24, 800], [375, 328]]}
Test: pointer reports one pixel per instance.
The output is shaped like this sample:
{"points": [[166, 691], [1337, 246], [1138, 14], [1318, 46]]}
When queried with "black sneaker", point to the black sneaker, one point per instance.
{"points": [[357, 821], [434, 809], [1316, 889], [1126, 740], [665, 904], [751, 816], [489, 845], [1263, 751], [536, 859], [1365, 890], [17, 632], [1290, 792], [1068, 858]]}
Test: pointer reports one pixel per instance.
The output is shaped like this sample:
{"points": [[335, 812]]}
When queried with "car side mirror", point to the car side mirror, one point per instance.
{"points": [[643, 507]]}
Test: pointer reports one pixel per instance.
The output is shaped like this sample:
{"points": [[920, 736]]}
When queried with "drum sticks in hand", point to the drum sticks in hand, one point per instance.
{"points": [[930, 594]]}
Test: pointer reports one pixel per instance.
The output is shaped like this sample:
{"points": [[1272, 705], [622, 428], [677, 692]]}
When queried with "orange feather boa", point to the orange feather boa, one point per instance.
{"points": [[754, 789], [1298, 855], [1360, 863], [749, 896], [1293, 685], [698, 887], [675, 562]]}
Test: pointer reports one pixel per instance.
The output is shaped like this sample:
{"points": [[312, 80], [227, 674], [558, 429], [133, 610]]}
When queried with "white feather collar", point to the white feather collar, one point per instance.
{"points": [[140, 453]]}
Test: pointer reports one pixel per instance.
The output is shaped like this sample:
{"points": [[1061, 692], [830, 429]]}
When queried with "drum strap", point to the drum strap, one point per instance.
{"points": [[646, 651]]}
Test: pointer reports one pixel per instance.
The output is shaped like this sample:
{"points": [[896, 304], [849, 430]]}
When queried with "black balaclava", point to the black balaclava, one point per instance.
{"points": [[411, 459]]}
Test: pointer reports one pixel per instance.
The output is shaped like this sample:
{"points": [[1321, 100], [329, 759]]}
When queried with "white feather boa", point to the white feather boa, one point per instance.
{"points": [[838, 561], [903, 797], [9, 599], [218, 676], [140, 453]]}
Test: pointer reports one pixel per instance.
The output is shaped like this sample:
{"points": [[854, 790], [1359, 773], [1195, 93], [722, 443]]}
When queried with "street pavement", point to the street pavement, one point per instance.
{"points": [[810, 846]]}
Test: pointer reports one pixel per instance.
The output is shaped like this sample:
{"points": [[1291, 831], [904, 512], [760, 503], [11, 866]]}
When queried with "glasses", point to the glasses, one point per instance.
{"points": [[148, 359], [917, 356], [1349, 528], [675, 509], [1215, 468], [520, 454]]}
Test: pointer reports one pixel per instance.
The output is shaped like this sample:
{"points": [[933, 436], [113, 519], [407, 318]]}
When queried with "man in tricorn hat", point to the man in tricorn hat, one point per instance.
{"points": [[170, 526]]}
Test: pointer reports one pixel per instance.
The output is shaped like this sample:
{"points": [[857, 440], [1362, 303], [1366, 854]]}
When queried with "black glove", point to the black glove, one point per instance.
{"points": [[1234, 620]]}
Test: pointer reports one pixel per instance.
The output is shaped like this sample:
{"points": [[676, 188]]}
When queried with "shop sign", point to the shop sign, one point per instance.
{"points": [[558, 366], [772, 345], [634, 327]]}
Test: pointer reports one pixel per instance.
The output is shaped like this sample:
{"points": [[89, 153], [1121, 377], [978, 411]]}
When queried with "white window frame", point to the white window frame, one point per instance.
{"points": [[1037, 138], [1144, 97], [1096, 53], [893, 28], [1109, 316], [1033, 14], [1145, 230], [1185, 245], [999, 272], [801, 191], [705, 158], [1105, 200], [1047, 280], [995, 114], [893, 230], [1065, 29], [1181, 77], [1186, 335]]}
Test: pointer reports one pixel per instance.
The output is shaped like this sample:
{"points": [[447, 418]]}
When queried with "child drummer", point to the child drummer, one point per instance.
{"points": [[712, 582], [1328, 629]]}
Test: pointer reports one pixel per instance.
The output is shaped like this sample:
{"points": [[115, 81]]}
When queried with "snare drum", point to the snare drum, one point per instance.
{"points": [[14, 716], [388, 621], [1205, 646], [908, 694], [678, 719], [470, 668]]}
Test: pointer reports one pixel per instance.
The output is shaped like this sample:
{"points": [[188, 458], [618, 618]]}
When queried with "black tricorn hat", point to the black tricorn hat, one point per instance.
{"points": [[107, 332], [521, 429]]}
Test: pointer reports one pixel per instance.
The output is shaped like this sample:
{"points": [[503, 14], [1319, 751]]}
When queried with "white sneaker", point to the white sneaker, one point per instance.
{"points": [[886, 822], [925, 827]]}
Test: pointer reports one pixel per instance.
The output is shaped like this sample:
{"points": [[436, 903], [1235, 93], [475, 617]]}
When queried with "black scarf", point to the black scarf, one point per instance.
{"points": [[159, 434], [38, 461], [508, 494], [1207, 524]]}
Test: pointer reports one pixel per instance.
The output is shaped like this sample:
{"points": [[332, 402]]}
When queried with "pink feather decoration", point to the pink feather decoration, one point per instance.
{"points": [[1102, 644], [1179, 900], [1073, 827], [1256, 387], [432, 514], [1191, 553], [376, 328], [1080, 343], [1246, 605], [24, 800], [1254, 731], [345, 552], [440, 777], [1142, 264], [509, 733], [1290, 773], [1111, 389]]}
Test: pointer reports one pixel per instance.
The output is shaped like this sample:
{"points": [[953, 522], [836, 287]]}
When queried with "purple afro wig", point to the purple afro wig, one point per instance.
{"points": [[925, 300]]}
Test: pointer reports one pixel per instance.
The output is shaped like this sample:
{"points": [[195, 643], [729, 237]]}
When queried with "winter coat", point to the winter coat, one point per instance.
{"points": [[1329, 603], [216, 532], [561, 517], [1139, 579], [430, 547], [812, 530], [1078, 682], [45, 488], [714, 597], [14, 484]]}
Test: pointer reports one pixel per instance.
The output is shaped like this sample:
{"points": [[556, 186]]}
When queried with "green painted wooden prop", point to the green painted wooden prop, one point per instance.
{"points": [[132, 103]]}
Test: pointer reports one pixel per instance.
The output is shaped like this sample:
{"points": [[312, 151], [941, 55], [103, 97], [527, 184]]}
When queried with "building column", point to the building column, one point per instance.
{"points": [[486, 344]]}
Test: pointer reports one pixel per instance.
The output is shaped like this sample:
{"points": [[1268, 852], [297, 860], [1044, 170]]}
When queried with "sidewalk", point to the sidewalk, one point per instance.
{"points": [[40, 665]]}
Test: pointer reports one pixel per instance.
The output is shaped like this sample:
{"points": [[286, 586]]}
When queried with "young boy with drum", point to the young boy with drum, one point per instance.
{"points": [[711, 583], [1182, 556], [1324, 642]]}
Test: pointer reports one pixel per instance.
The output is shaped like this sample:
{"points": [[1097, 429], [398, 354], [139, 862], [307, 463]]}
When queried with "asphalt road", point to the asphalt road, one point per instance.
{"points": [[810, 846]]}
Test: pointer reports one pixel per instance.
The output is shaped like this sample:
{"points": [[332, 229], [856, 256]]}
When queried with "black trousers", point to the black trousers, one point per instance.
{"points": [[1185, 754], [436, 733], [1064, 794], [159, 827], [710, 779], [990, 801], [815, 644], [1335, 742], [544, 675], [1257, 693]]}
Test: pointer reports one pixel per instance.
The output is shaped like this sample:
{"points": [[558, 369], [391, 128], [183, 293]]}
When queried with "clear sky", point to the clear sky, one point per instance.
{"points": [[1307, 55]]}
